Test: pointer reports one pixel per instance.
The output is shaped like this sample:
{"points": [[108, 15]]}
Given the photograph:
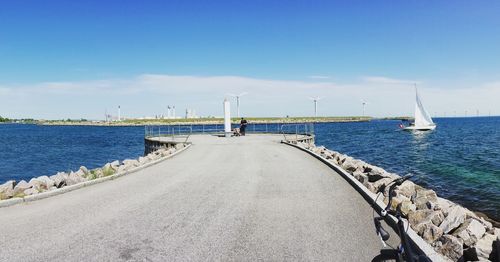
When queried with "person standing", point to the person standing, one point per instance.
{"points": [[243, 126]]}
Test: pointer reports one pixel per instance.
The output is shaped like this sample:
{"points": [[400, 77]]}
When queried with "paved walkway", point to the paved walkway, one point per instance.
{"points": [[224, 199]]}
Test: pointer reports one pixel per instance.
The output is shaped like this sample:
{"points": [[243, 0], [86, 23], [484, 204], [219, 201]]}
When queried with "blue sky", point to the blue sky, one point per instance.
{"points": [[70, 53]]}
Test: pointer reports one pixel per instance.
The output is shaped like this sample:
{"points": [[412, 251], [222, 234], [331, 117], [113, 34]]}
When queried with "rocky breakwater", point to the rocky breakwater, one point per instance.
{"points": [[452, 230], [12, 189]]}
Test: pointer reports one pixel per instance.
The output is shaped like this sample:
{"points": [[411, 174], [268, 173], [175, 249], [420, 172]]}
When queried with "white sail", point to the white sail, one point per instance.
{"points": [[422, 117]]}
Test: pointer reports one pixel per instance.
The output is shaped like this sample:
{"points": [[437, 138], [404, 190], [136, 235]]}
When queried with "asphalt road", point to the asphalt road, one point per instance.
{"points": [[224, 199]]}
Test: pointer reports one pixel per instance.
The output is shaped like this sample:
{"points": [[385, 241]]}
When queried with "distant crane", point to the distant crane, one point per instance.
{"points": [[315, 100], [238, 102]]}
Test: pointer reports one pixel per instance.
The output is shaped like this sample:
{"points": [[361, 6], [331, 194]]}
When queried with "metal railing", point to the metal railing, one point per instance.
{"points": [[295, 132], [182, 132]]}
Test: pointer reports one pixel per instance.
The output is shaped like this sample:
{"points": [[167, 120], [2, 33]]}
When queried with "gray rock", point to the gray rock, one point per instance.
{"points": [[396, 201], [489, 227], [429, 232], [123, 168], [451, 247], [82, 173], [407, 207], [351, 165], [7, 189], [84, 170], [30, 191], [437, 217], [115, 164], [484, 246], [143, 160], [34, 183], [47, 182], [470, 231], [424, 198], [131, 162], [419, 216], [107, 166], [20, 187], [375, 173], [407, 189], [455, 217], [59, 179], [444, 205], [360, 176], [74, 178]]}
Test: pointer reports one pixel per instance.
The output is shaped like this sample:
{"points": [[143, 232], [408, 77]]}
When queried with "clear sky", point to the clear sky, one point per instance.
{"points": [[61, 59]]}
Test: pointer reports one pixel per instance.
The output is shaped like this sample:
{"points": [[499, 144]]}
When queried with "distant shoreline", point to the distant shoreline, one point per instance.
{"points": [[206, 121]]}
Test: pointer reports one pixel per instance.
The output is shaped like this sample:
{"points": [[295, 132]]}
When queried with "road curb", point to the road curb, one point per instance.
{"points": [[370, 197], [62, 190]]}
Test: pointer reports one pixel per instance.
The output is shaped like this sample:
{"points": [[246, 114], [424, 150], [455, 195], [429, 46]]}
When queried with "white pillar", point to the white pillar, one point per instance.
{"points": [[227, 118], [119, 114]]}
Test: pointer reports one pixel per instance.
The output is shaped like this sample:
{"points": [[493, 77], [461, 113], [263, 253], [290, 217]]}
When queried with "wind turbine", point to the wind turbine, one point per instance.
{"points": [[315, 99], [238, 102], [364, 103]]}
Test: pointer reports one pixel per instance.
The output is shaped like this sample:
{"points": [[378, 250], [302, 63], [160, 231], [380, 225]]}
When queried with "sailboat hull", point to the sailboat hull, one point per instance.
{"points": [[419, 128]]}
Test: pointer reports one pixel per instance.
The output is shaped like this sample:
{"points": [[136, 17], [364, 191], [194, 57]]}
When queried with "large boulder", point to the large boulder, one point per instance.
{"points": [[429, 232], [74, 178], [419, 216], [20, 187], [451, 247], [351, 165], [407, 207], [83, 172], [131, 162], [42, 183], [444, 205], [115, 164], [360, 176], [424, 198], [434, 217], [37, 184], [470, 231], [123, 168], [484, 246], [59, 179], [407, 189], [7, 189], [31, 191], [456, 216], [376, 173]]}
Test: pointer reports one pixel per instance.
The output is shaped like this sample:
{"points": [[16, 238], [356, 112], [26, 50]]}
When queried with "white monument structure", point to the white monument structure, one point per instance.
{"points": [[227, 118]]}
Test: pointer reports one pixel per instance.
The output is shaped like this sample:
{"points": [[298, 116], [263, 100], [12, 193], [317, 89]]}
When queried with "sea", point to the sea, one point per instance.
{"points": [[460, 160]]}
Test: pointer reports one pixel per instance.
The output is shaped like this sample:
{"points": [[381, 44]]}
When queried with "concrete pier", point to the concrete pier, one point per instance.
{"points": [[224, 199]]}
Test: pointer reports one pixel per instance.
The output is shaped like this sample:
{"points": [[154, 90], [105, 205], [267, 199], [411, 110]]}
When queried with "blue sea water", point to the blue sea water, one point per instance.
{"points": [[28, 151], [460, 160]]}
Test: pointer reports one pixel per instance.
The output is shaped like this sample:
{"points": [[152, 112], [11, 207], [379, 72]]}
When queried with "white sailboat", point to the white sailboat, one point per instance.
{"points": [[423, 121]]}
